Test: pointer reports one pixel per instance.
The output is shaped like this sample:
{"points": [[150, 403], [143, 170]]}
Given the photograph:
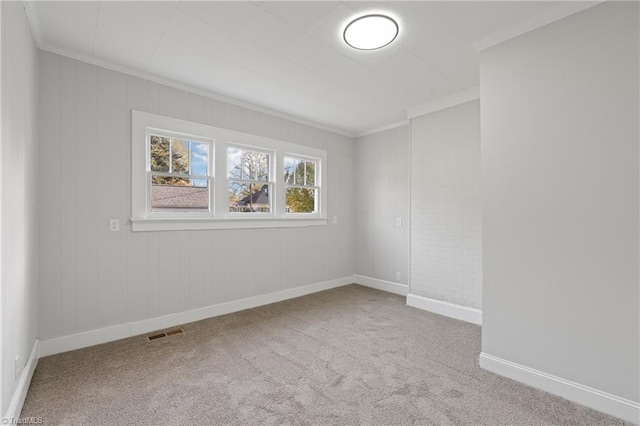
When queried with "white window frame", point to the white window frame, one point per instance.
{"points": [[210, 177], [219, 217], [271, 181], [317, 187]]}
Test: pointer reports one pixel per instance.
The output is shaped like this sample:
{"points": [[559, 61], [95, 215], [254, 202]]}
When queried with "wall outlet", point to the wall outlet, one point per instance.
{"points": [[114, 225], [17, 367], [398, 276], [399, 221], [335, 220]]}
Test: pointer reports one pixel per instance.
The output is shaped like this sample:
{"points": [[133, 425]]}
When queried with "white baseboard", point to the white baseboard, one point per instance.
{"points": [[19, 395], [383, 285], [593, 398], [116, 332], [447, 309]]}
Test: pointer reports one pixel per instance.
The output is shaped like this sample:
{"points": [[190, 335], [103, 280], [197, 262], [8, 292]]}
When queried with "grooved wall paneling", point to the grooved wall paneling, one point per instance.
{"points": [[382, 196], [19, 180], [91, 278]]}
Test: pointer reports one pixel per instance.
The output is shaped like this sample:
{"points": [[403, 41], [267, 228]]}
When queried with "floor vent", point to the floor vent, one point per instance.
{"points": [[166, 334]]}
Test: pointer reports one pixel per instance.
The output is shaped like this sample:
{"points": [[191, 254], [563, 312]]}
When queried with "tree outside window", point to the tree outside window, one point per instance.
{"points": [[301, 185]]}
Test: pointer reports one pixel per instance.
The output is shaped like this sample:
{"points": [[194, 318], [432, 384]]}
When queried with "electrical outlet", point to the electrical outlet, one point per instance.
{"points": [[335, 220], [114, 225], [399, 221], [398, 276], [17, 367]]}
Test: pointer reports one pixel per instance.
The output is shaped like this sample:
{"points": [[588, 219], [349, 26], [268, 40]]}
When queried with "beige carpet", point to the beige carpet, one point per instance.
{"points": [[352, 355]]}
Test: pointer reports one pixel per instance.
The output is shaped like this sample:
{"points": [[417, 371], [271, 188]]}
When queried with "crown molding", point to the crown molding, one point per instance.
{"points": [[531, 24], [444, 103], [34, 21], [383, 128], [188, 88]]}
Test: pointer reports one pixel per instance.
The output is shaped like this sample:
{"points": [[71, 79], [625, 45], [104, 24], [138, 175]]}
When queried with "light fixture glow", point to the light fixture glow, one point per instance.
{"points": [[370, 32]]}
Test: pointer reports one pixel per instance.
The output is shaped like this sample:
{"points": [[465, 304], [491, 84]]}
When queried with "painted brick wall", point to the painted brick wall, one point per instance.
{"points": [[446, 219]]}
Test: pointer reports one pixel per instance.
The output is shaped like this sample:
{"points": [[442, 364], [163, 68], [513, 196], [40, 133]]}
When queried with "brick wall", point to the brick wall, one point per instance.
{"points": [[446, 227]]}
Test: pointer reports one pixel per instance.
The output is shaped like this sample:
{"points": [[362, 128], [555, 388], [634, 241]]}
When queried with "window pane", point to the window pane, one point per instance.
{"points": [[299, 172], [234, 163], [249, 197], [289, 169], [301, 200], [247, 165], [310, 173], [199, 158], [296, 171], [159, 154], [179, 194], [179, 156]]}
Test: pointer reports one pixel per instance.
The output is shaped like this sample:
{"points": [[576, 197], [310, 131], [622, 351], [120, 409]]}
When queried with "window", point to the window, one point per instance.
{"points": [[178, 174], [249, 180], [193, 176], [300, 183]]}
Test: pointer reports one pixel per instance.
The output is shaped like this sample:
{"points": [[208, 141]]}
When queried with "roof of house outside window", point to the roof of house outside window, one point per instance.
{"points": [[259, 197], [179, 197]]}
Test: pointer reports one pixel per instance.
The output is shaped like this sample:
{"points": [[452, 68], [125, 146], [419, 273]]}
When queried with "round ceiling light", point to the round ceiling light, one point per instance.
{"points": [[370, 32]]}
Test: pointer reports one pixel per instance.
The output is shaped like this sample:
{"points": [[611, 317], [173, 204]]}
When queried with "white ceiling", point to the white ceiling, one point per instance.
{"points": [[289, 56]]}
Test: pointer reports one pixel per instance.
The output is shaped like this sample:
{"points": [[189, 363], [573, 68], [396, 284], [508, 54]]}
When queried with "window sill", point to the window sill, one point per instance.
{"points": [[183, 224]]}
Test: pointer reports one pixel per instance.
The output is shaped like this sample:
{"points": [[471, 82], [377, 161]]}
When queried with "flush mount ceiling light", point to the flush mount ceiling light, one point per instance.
{"points": [[370, 32]]}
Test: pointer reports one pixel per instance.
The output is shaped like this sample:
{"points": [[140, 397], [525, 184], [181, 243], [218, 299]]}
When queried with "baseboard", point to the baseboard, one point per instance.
{"points": [[447, 309], [19, 395], [383, 285], [593, 398], [108, 334]]}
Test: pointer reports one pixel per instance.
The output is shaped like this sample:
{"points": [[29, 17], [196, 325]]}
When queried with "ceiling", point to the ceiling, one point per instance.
{"points": [[289, 56]]}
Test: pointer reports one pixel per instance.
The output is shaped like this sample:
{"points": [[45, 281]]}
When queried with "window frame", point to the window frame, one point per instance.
{"points": [[316, 187], [210, 176], [270, 181], [219, 216]]}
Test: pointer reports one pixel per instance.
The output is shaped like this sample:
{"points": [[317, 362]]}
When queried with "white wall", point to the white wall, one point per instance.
{"points": [[382, 196], [18, 175], [91, 278], [560, 183], [446, 213]]}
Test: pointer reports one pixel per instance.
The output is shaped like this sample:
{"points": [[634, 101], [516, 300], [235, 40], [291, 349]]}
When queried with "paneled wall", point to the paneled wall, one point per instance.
{"points": [[382, 197], [446, 212], [18, 179], [91, 278]]}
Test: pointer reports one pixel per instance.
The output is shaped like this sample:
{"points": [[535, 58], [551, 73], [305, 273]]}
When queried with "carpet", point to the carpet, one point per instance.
{"points": [[347, 356]]}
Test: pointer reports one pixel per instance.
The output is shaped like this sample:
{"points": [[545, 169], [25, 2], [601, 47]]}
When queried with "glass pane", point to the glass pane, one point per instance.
{"points": [[199, 158], [310, 173], [299, 172], [249, 197], [301, 200], [260, 164], [234, 163], [247, 165], [289, 169], [179, 194], [297, 177], [159, 154], [179, 156]]}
